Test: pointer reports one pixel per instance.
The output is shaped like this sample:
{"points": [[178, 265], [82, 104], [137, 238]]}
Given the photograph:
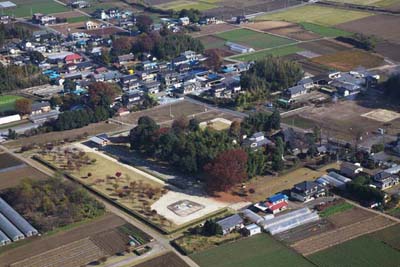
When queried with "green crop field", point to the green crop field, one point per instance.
{"points": [[25, 8], [7, 102], [327, 16], [257, 251], [185, 4], [390, 236], [78, 19], [370, 2], [336, 209], [324, 30], [364, 251], [279, 52], [254, 39]]}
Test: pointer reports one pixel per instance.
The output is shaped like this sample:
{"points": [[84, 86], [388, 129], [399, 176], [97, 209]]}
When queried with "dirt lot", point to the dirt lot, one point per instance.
{"points": [[349, 217], [14, 177], [39, 245], [343, 119], [105, 31], [92, 129], [170, 259], [213, 29], [349, 60], [331, 238], [383, 26], [68, 14], [287, 29], [73, 27], [324, 47]]}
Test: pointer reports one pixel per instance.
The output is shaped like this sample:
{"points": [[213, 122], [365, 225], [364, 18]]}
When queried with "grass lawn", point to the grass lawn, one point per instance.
{"points": [[324, 30], [364, 251], [184, 4], [336, 209], [254, 39], [7, 102], [327, 16], [280, 51], [349, 59], [257, 251], [78, 19], [25, 8]]}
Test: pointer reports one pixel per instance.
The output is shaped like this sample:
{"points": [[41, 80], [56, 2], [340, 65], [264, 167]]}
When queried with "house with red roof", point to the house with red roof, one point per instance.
{"points": [[274, 204], [73, 59]]}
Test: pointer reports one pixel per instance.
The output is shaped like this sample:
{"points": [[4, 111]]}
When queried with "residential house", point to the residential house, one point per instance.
{"points": [[44, 117], [91, 25], [170, 78], [307, 190], [252, 229], [73, 59], [130, 82], [296, 91], [231, 223], [295, 141], [274, 204], [189, 87], [349, 169], [151, 87], [43, 19], [125, 59], [80, 4], [218, 90], [384, 180], [256, 141], [184, 21], [40, 107], [132, 98]]}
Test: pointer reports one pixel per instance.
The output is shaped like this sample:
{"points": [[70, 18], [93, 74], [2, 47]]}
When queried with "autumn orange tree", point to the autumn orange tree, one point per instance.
{"points": [[226, 170]]}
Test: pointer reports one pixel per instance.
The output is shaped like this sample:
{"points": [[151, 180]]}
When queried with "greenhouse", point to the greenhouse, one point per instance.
{"points": [[252, 216], [4, 240], [9, 229], [15, 218], [290, 220]]}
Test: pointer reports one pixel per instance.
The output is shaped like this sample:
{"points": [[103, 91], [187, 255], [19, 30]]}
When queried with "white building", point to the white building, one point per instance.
{"points": [[252, 229]]}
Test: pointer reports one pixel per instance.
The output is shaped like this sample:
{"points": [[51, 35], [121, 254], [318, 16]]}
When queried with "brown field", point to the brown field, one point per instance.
{"points": [[111, 241], [213, 29], [349, 60], [389, 50], [170, 259], [74, 254], [287, 29], [382, 26], [92, 129], [13, 178], [328, 239], [68, 14], [39, 245], [105, 31], [73, 27], [324, 47], [349, 217], [8, 161]]}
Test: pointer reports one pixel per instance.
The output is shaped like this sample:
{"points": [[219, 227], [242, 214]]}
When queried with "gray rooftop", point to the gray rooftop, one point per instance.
{"points": [[230, 221]]}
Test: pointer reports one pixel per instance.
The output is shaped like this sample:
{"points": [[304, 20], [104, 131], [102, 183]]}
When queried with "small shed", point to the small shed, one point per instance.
{"points": [[252, 229]]}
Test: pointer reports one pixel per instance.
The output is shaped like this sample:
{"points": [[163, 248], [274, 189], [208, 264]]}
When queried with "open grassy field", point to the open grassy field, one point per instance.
{"points": [[185, 4], [316, 14], [390, 236], [25, 8], [7, 102], [349, 60], [254, 39], [363, 252], [280, 51], [324, 30], [78, 19], [257, 251]]}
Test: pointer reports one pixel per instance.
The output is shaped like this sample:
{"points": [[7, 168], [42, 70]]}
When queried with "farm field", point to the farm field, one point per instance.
{"points": [[78, 19], [25, 8], [7, 102], [213, 29], [186, 4], [8, 161], [324, 47], [326, 16], [381, 3], [390, 236], [281, 51], [253, 39], [14, 177], [212, 42], [48, 244], [363, 252], [170, 259], [349, 60], [382, 26], [324, 30], [250, 252]]}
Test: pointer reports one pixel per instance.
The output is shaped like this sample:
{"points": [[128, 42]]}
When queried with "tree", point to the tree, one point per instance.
{"points": [[275, 120], [105, 56], [214, 59], [143, 23], [142, 136], [226, 170], [12, 134], [235, 129], [211, 228], [122, 45], [23, 106], [194, 125], [256, 163], [36, 57], [102, 94]]}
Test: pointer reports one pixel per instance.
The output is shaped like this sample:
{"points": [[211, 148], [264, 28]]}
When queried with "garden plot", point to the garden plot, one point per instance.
{"points": [[382, 115]]}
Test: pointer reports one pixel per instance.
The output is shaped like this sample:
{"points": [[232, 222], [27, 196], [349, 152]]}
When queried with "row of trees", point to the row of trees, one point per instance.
{"points": [[270, 74], [10, 31], [361, 41], [164, 45], [14, 77]]}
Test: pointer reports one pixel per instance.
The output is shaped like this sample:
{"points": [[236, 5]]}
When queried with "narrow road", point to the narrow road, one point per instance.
{"points": [[163, 240]]}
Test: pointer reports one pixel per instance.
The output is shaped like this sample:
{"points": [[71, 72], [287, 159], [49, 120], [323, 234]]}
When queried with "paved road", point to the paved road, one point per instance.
{"points": [[162, 240]]}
